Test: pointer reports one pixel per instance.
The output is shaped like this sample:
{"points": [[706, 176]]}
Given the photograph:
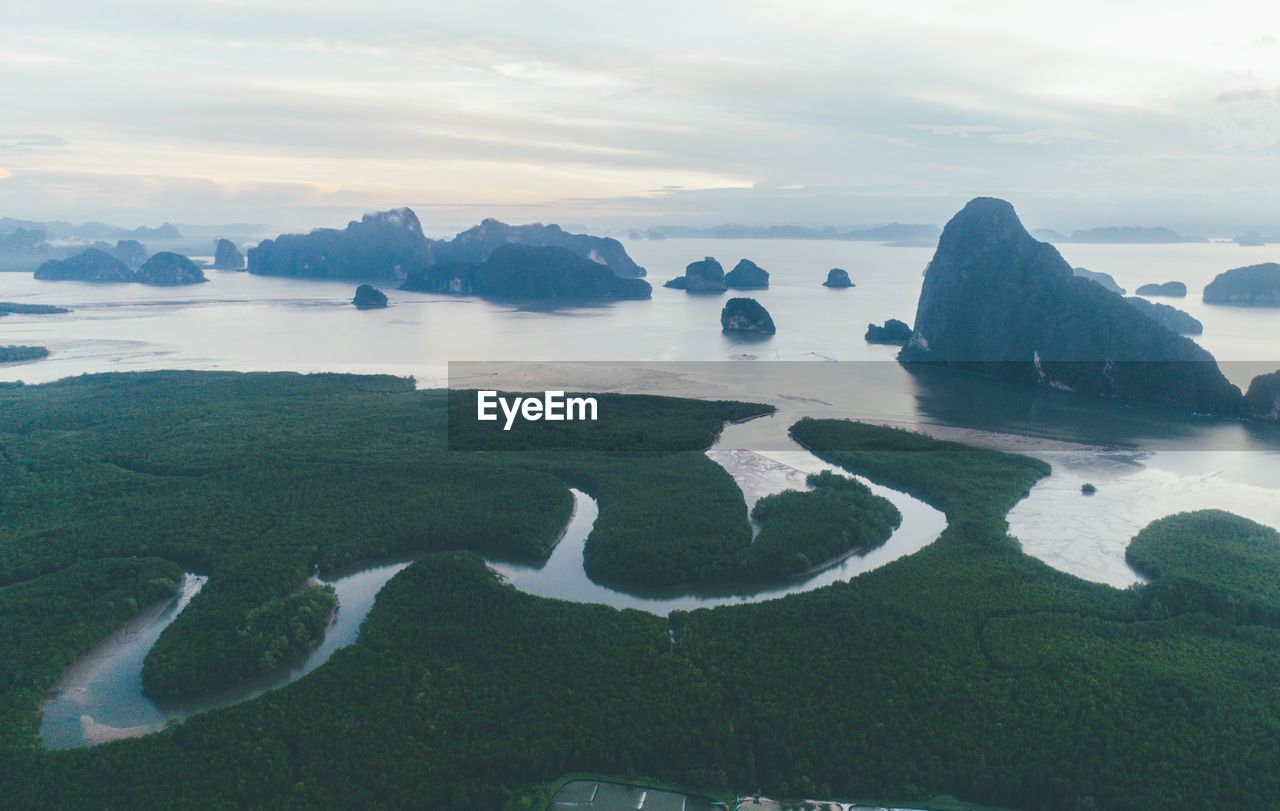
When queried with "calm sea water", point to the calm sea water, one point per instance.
{"points": [[1147, 462]]}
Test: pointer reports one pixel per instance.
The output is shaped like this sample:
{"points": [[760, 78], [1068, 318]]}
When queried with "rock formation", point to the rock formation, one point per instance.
{"points": [[705, 276], [1104, 279], [893, 332], [996, 301], [515, 271], [837, 277], [130, 251], [1168, 317], [745, 315], [747, 275], [473, 246], [1170, 289], [1252, 286], [168, 269], [91, 266], [384, 246], [226, 256], [369, 297], [1263, 399], [24, 242]]}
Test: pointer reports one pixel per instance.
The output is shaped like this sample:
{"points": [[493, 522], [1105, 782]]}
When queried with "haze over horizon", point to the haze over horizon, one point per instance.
{"points": [[799, 112]]}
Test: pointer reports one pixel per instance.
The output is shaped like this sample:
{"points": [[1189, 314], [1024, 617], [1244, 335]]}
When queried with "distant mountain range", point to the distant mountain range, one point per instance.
{"points": [[893, 232], [1127, 234], [89, 231]]}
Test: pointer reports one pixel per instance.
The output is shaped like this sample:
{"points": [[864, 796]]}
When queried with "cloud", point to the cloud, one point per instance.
{"points": [[961, 130], [515, 106], [30, 143], [1047, 135]]}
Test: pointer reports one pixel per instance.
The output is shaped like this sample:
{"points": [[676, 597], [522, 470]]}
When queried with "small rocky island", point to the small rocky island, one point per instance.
{"points": [[892, 332], [704, 276], [1251, 286], [226, 256], [837, 278], [163, 269], [747, 275], [369, 297], [1169, 289], [998, 302], [523, 272], [91, 266], [1170, 318], [1104, 279], [168, 269], [746, 315]]}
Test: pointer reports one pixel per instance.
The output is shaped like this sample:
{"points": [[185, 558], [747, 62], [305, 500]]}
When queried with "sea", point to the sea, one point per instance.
{"points": [[1146, 462]]}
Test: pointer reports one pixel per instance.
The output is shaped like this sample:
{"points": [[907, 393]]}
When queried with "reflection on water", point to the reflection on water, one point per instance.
{"points": [[1087, 535], [1145, 461]]}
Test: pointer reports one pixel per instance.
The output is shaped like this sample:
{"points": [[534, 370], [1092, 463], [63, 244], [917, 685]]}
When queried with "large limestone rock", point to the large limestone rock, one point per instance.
{"points": [[226, 256], [91, 266], [369, 297], [892, 332], [705, 276], [996, 301], [837, 278], [1252, 286], [384, 246], [746, 315], [168, 269], [747, 275], [516, 271], [475, 245], [130, 251], [1263, 399], [1170, 289]]}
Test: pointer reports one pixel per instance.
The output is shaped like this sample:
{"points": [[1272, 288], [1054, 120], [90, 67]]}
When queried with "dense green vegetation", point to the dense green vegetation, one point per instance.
{"points": [[274, 632], [7, 307], [1210, 561], [47, 621], [668, 514], [967, 668], [256, 479], [800, 530], [17, 354]]}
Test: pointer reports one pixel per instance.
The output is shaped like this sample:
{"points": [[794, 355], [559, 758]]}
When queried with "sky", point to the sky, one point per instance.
{"points": [[303, 114]]}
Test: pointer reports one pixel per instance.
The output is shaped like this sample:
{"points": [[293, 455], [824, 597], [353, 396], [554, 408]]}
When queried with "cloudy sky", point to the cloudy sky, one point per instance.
{"points": [[804, 111]]}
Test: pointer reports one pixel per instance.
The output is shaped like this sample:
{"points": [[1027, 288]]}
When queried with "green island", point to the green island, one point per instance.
{"points": [[967, 669], [18, 308], [19, 354]]}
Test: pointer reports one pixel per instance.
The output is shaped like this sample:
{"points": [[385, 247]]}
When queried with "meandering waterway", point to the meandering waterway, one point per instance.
{"points": [[100, 697]]}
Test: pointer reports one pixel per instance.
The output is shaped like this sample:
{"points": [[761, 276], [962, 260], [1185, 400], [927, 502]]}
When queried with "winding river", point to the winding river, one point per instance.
{"points": [[99, 698]]}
